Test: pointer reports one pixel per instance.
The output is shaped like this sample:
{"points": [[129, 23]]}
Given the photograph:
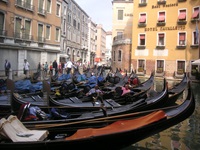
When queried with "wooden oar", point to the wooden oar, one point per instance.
{"points": [[100, 119]]}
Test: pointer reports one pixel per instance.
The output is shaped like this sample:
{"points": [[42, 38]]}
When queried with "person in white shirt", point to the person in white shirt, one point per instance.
{"points": [[68, 66], [26, 66]]}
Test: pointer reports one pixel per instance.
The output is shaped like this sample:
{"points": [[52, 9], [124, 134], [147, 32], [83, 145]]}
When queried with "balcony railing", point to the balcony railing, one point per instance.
{"points": [[160, 2], [41, 39], [24, 5], [3, 33], [143, 4], [6, 1], [122, 37], [23, 36], [181, 22], [42, 11]]}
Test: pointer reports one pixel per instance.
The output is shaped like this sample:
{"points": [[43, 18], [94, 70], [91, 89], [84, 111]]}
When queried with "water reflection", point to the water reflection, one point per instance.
{"points": [[183, 136]]}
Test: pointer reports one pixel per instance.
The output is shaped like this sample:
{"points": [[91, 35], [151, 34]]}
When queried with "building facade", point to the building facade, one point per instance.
{"points": [[101, 45], [122, 21], [108, 53], [92, 36], [77, 32], [164, 37], [29, 30]]}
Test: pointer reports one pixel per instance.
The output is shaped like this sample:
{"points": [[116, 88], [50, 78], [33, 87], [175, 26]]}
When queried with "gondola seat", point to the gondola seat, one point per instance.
{"points": [[14, 130]]}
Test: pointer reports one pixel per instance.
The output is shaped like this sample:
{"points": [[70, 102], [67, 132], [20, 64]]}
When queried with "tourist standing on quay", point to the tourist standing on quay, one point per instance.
{"points": [[46, 66], [55, 66], [68, 66], [7, 67], [26, 66]]}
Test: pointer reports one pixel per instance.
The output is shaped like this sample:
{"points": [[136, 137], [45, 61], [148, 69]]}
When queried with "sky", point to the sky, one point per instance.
{"points": [[99, 10]]}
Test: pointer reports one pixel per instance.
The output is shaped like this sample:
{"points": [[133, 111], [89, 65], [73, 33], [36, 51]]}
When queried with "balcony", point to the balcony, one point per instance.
{"points": [[6, 1], [161, 23], [142, 4], [161, 47], [42, 11], [23, 36], [24, 5], [142, 24], [181, 22], [161, 2], [3, 33], [181, 47], [41, 39], [194, 20], [195, 46], [159, 72], [122, 39], [141, 47]]}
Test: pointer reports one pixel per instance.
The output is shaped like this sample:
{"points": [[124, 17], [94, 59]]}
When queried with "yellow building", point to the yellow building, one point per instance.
{"points": [[164, 36]]}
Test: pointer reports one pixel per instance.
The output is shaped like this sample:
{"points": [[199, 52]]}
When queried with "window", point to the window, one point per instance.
{"points": [[160, 66], [143, 1], [58, 9], [119, 35], [49, 6], [78, 26], [195, 14], [142, 40], [64, 26], [40, 33], [69, 18], [120, 14], [142, 18], [182, 15], [180, 67], [161, 39], [57, 34], [2, 17], [182, 39], [195, 38], [161, 17], [74, 23], [41, 6], [113, 55], [48, 32], [120, 55], [18, 26], [140, 65], [28, 4], [27, 29]]}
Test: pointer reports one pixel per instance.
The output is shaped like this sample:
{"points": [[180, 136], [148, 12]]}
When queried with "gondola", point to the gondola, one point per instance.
{"points": [[117, 135], [177, 90], [109, 101], [76, 117]]}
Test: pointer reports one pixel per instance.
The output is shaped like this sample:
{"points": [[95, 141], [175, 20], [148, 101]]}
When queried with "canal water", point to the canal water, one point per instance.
{"points": [[183, 136]]}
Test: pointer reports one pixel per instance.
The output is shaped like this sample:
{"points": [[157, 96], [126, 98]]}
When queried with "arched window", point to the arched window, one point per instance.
{"points": [[2, 18], [119, 55]]}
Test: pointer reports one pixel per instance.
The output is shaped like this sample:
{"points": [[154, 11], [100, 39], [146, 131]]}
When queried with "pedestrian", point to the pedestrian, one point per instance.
{"points": [[46, 69], [26, 69], [69, 66], [55, 66], [7, 67], [51, 69]]}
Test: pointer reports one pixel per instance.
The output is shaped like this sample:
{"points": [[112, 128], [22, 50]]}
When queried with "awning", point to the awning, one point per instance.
{"points": [[161, 17], [142, 19], [97, 59], [195, 14], [182, 15], [182, 36], [196, 62]]}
